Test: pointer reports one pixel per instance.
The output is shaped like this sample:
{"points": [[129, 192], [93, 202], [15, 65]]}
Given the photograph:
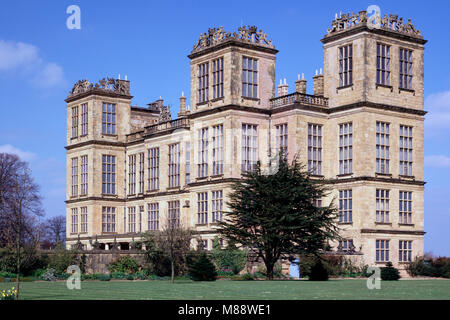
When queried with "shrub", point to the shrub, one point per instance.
{"points": [[430, 267], [389, 273], [225, 273], [119, 275], [125, 264], [62, 259], [318, 272], [201, 268], [8, 294], [101, 277], [245, 277], [230, 258]]}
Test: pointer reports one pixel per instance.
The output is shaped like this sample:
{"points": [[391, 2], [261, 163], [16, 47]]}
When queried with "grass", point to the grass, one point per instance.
{"points": [[232, 290]]}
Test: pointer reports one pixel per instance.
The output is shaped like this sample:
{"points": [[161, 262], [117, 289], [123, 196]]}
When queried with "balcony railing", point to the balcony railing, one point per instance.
{"points": [[298, 97], [157, 128]]}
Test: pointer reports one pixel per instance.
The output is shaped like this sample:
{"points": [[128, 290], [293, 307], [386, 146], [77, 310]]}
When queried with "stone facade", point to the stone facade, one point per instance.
{"points": [[362, 103]]}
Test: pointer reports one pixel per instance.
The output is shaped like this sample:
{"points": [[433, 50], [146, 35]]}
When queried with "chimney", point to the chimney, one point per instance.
{"points": [[182, 105], [318, 89], [283, 88], [300, 84]]}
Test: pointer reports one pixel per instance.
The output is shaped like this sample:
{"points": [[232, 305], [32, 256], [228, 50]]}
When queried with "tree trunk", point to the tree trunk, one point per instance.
{"points": [[172, 265], [269, 270], [17, 266]]}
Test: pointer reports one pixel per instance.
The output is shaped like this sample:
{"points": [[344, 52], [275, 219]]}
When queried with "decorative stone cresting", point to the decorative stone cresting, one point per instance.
{"points": [[164, 114], [109, 85], [249, 34], [391, 23]]}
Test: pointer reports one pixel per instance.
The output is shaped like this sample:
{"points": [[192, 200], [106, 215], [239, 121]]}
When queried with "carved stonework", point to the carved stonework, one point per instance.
{"points": [[118, 86], [391, 22], [164, 114], [248, 34]]}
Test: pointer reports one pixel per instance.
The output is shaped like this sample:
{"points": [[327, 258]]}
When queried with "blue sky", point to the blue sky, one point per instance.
{"points": [[40, 59]]}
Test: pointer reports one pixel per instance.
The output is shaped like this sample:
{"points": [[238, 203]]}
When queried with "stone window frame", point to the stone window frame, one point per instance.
{"points": [[217, 205], [74, 122], [84, 119], [84, 170], [141, 173], [153, 216], [249, 147], [315, 148], [74, 189], [203, 82], [346, 206], [382, 147], [382, 209], [108, 219], [174, 213], [202, 207], [345, 148], [132, 219], [203, 145], [109, 118], [74, 220], [217, 149], [188, 163], [246, 81], [382, 247], [405, 207], [405, 68], [153, 168], [345, 63], [108, 174], [217, 78], [84, 220], [406, 150], [132, 174], [405, 250], [282, 139], [383, 64], [174, 165], [346, 244]]}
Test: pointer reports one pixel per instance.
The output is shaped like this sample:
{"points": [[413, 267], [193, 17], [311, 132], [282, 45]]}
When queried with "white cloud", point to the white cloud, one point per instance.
{"points": [[23, 155], [438, 107], [437, 161], [22, 57]]}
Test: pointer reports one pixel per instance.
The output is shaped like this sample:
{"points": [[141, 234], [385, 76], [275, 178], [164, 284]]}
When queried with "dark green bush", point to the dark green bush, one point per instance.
{"points": [[62, 258], [389, 273], [201, 268], [430, 267], [230, 258], [244, 277], [318, 272], [118, 275], [225, 273], [125, 264]]}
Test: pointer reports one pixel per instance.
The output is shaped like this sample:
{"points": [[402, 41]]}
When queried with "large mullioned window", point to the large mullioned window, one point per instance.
{"points": [[406, 150], [203, 82], [74, 121], [174, 214], [132, 174], [84, 119], [132, 219], [109, 118], [202, 207], [346, 148], [141, 172], [202, 167], [382, 147], [74, 177], [382, 250], [249, 77], [405, 69], [282, 139], [249, 147], [108, 174], [84, 175], [217, 151], [382, 206], [174, 165], [188, 163], [108, 219], [405, 207], [345, 206], [217, 205], [74, 220], [217, 78], [383, 64], [346, 65], [153, 216], [404, 250], [153, 169], [315, 148], [84, 220]]}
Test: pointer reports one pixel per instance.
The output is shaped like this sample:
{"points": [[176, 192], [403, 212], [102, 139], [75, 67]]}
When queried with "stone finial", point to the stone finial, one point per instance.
{"points": [[183, 109]]}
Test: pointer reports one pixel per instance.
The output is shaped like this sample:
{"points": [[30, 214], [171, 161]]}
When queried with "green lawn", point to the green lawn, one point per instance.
{"points": [[225, 289]]}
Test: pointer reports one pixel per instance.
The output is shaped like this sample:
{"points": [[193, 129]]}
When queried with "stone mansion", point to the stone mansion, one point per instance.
{"points": [[131, 169]]}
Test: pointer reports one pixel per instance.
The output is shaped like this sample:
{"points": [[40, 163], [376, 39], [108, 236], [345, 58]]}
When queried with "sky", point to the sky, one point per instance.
{"points": [[41, 59]]}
